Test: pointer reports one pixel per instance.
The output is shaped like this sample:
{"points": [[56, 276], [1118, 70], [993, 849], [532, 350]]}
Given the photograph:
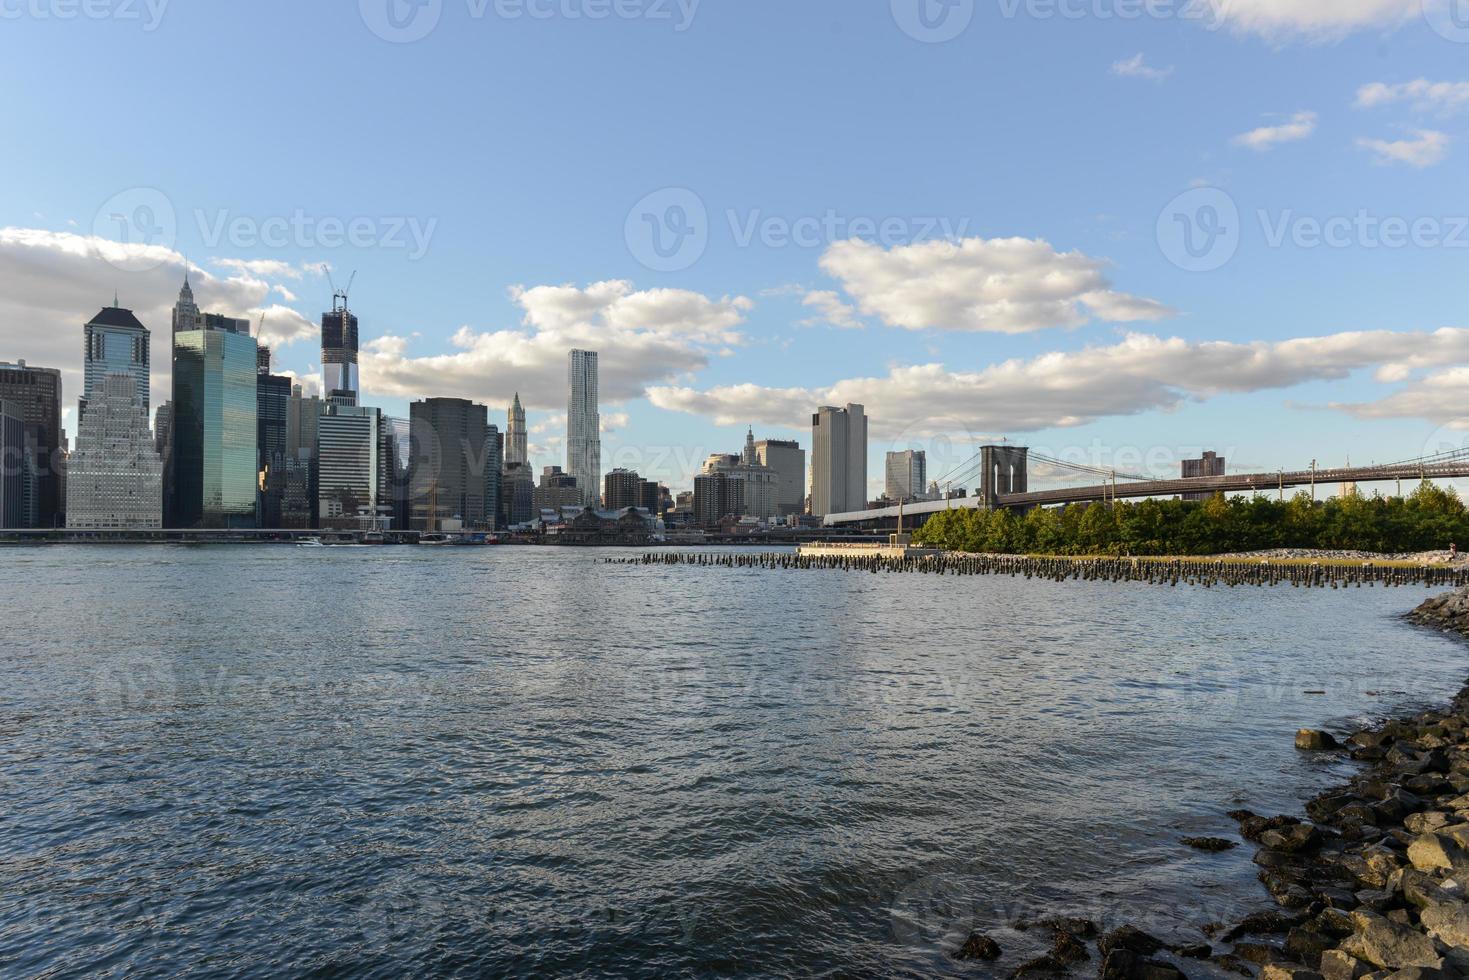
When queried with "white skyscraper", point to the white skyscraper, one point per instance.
{"points": [[517, 443], [907, 475], [584, 426], [114, 476], [838, 460]]}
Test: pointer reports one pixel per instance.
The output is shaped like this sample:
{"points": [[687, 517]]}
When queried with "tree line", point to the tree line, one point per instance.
{"points": [[1430, 519]]}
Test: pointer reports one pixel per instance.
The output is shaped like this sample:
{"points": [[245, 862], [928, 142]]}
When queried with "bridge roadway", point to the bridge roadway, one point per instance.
{"points": [[1245, 482]]}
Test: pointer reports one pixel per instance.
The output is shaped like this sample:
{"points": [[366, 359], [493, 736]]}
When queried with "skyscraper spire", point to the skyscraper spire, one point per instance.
{"points": [[751, 457]]}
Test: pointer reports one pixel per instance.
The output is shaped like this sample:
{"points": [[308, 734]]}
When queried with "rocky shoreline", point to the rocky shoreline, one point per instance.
{"points": [[1371, 884]]}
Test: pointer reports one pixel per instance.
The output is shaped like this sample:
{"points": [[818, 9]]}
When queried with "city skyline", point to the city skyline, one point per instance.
{"points": [[1341, 124]]}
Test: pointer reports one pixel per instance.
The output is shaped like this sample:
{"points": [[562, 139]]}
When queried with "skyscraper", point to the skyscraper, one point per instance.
{"points": [[115, 343], [907, 475], [448, 465], [14, 471], [584, 425], [788, 461], [517, 446], [494, 474], [214, 463], [622, 489], [355, 469], [114, 476], [301, 506], [838, 460], [35, 395], [273, 402], [339, 352]]}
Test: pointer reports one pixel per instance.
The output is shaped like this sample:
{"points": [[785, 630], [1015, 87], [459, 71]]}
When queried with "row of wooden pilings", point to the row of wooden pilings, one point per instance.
{"points": [[1206, 572]]}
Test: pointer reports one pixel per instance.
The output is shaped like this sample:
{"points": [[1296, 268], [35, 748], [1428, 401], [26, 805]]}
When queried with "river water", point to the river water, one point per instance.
{"points": [[383, 762]]}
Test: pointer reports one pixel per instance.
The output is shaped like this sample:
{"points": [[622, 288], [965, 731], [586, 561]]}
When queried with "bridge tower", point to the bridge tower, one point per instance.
{"points": [[1003, 469]]}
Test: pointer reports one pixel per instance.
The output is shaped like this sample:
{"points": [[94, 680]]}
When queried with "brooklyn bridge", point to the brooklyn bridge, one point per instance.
{"points": [[1003, 477]]}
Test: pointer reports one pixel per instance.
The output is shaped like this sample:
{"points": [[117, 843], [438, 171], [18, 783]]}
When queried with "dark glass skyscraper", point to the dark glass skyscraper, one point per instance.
{"points": [[35, 394], [447, 470], [215, 427], [273, 400]]}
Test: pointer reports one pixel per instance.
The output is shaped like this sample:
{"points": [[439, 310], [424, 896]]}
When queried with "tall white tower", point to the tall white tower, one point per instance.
{"points": [[517, 445], [584, 426]]}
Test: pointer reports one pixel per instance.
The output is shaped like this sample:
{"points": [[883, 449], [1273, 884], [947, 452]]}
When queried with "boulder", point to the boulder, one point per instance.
{"points": [[1427, 822], [1387, 944], [1313, 740], [1430, 852], [1211, 844], [1285, 971], [1068, 949], [978, 947], [1447, 921], [1337, 965], [1307, 945], [1295, 839], [1129, 938]]}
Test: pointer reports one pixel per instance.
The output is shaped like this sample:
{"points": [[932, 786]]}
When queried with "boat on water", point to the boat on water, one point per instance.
{"points": [[436, 539], [310, 543]]}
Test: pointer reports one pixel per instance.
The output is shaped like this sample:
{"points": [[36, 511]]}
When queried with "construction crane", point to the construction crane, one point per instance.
{"points": [[339, 296]]}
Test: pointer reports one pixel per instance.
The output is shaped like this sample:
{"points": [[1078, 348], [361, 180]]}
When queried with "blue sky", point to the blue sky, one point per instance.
{"points": [[518, 148]]}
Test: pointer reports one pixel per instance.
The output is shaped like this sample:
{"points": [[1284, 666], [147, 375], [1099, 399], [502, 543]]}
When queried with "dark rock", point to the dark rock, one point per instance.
{"points": [[1041, 966], [978, 947], [1125, 964], [1075, 925], [1312, 740], [1068, 949], [1307, 945], [1263, 924], [1131, 939], [1233, 964], [1295, 839], [1212, 844], [1333, 922], [1336, 965], [1259, 953]]}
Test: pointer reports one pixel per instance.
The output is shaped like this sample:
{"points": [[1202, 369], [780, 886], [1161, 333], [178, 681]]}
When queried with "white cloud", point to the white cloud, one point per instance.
{"points": [[269, 268], [1439, 397], [1002, 285], [1062, 389], [56, 281], [1299, 127], [642, 337], [1427, 148], [1320, 20], [831, 311], [1420, 93], [1137, 67]]}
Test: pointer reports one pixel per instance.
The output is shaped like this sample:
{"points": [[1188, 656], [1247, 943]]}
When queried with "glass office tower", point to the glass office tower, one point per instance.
{"points": [[214, 430]]}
